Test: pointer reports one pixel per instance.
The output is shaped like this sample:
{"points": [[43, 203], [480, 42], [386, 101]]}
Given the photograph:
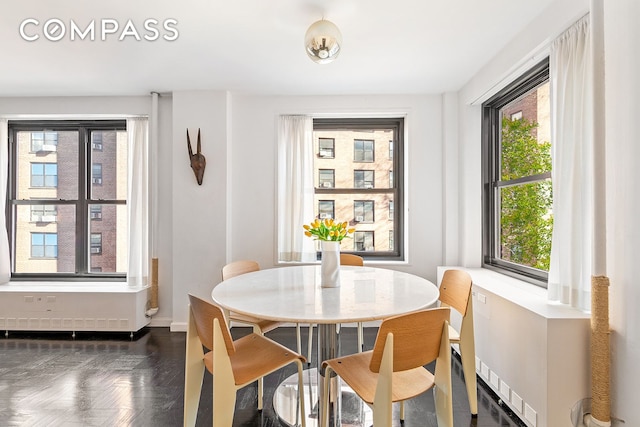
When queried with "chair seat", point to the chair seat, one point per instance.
{"points": [[264, 325], [354, 370], [254, 355]]}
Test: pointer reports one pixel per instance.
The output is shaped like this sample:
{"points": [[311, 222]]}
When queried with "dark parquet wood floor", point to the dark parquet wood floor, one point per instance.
{"points": [[52, 379]]}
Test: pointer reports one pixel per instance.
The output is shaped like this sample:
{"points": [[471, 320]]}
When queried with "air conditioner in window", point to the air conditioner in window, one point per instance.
{"points": [[96, 215], [359, 218], [48, 147], [325, 216], [325, 153], [96, 180], [95, 250], [326, 184], [48, 218], [368, 186]]}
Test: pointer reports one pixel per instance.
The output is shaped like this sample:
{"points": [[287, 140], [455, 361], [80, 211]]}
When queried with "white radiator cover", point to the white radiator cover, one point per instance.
{"points": [[74, 307]]}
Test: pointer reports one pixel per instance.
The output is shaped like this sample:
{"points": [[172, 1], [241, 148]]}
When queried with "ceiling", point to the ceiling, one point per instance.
{"points": [[253, 46]]}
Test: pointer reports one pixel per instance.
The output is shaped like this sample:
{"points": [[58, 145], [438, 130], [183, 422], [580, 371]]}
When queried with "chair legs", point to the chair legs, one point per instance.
{"points": [[194, 372], [467, 356]]}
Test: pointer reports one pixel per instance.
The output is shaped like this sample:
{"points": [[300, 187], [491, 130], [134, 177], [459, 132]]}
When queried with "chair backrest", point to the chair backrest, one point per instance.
{"points": [[237, 268], [350, 259], [455, 290], [416, 338], [203, 313]]}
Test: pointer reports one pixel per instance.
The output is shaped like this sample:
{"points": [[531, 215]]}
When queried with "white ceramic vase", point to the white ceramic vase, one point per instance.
{"points": [[330, 266]]}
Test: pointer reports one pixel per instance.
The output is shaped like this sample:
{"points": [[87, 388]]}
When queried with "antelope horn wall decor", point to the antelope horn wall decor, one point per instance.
{"points": [[198, 161]]}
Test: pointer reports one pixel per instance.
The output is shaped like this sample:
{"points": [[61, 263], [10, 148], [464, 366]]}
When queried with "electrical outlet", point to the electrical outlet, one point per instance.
{"points": [[482, 298]]}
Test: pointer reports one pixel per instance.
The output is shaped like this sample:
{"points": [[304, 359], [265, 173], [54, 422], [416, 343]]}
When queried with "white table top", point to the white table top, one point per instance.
{"points": [[293, 294]]}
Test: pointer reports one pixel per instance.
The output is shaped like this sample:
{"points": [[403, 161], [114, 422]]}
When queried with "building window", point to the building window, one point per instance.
{"points": [[44, 175], [326, 178], [363, 150], [44, 141], [326, 209], [96, 173], [96, 141], [354, 192], [95, 212], [44, 245], [326, 147], [391, 212], [363, 241], [363, 211], [66, 231], [390, 239], [96, 243], [517, 195], [363, 179], [43, 213]]}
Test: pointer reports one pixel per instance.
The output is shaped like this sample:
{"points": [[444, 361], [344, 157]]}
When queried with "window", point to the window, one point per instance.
{"points": [[363, 211], [517, 195], [44, 141], [53, 206], [44, 175], [326, 209], [96, 141], [326, 147], [363, 179], [353, 192], [363, 150], [96, 243], [96, 173], [391, 213], [95, 212], [363, 241], [326, 178], [43, 213], [44, 245]]}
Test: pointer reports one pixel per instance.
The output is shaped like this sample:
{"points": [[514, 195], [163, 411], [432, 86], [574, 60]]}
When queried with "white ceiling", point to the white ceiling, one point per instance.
{"points": [[256, 46]]}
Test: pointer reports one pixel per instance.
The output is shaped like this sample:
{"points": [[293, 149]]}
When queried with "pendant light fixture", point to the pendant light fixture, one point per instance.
{"points": [[323, 41]]}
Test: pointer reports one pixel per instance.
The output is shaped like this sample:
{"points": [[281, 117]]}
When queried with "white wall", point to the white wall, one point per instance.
{"points": [[622, 68], [252, 207]]}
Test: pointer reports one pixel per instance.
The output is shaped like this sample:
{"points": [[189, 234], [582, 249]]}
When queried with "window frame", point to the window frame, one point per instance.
{"points": [[491, 174], [84, 199], [396, 192]]}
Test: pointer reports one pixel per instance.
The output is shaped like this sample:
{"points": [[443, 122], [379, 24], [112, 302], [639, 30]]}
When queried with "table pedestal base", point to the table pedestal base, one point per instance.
{"points": [[353, 411]]}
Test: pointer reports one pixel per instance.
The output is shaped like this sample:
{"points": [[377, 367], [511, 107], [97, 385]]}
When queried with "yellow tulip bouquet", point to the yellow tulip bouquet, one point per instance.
{"points": [[328, 230]]}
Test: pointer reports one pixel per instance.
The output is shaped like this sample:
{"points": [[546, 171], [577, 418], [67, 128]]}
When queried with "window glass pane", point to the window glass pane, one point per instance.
{"points": [[45, 239], [109, 166], [525, 224], [525, 140], [51, 171], [108, 239], [361, 180]]}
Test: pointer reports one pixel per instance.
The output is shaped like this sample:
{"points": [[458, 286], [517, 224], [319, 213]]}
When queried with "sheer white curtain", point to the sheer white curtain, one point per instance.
{"points": [[571, 75], [5, 263], [295, 188], [138, 201]]}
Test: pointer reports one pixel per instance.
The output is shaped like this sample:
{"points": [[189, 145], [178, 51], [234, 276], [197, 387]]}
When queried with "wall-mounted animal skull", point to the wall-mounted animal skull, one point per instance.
{"points": [[198, 162]]}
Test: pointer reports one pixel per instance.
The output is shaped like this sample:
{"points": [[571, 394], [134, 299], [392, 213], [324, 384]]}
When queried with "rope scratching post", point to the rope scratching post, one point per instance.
{"points": [[600, 352], [154, 283]]}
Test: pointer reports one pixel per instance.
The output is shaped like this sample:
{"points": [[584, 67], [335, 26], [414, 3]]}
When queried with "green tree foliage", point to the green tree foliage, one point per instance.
{"points": [[526, 218]]}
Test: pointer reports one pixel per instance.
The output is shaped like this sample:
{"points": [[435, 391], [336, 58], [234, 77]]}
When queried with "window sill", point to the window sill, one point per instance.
{"points": [[70, 287], [526, 295]]}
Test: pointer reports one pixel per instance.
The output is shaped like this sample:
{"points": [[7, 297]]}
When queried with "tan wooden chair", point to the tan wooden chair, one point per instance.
{"points": [[260, 326], [350, 259], [234, 364], [455, 292], [394, 370]]}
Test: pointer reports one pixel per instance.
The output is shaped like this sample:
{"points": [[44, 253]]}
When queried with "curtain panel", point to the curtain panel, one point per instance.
{"points": [[295, 188], [138, 201], [571, 75], [5, 260]]}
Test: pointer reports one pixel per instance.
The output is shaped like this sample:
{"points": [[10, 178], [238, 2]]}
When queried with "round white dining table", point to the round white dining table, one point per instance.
{"points": [[294, 294]]}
